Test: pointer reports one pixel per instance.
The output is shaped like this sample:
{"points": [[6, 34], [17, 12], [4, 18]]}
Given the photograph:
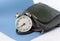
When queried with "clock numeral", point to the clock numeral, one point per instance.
{"points": [[23, 29], [27, 29], [29, 23], [23, 17], [18, 20]]}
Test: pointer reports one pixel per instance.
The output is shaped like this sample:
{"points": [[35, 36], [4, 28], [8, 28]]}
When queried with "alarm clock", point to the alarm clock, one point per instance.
{"points": [[37, 18]]}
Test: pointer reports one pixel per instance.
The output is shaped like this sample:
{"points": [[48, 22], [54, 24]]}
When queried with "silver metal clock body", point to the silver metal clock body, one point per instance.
{"points": [[23, 23]]}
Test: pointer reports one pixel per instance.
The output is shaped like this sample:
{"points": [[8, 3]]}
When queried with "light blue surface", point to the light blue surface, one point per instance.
{"points": [[8, 9]]}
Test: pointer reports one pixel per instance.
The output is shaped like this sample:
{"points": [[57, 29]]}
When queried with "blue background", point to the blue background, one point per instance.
{"points": [[8, 9]]}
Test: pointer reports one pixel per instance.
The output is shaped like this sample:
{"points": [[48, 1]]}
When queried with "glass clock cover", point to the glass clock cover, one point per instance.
{"points": [[23, 23]]}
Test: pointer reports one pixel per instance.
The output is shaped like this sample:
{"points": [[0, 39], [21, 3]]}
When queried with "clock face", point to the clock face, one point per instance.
{"points": [[24, 23]]}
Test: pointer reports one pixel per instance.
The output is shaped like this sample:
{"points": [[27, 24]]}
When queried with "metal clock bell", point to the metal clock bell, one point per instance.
{"points": [[37, 18]]}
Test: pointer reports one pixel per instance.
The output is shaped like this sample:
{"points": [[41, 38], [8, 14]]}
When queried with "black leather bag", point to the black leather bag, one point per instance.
{"points": [[44, 18]]}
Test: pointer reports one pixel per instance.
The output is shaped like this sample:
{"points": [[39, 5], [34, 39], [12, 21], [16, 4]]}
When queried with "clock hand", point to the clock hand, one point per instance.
{"points": [[23, 24]]}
